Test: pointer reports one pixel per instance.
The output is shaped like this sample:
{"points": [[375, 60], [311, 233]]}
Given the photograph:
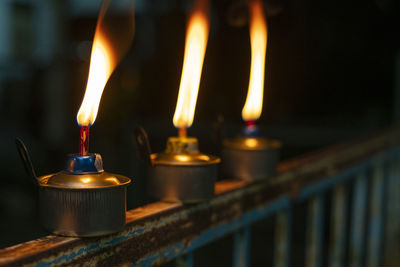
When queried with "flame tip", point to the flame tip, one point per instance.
{"points": [[107, 50], [258, 39], [195, 48]]}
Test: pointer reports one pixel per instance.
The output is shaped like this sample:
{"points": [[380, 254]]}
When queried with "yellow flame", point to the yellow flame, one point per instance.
{"points": [[195, 48], [111, 42], [258, 38], [101, 67]]}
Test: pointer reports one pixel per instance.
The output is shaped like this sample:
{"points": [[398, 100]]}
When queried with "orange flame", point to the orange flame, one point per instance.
{"points": [[100, 70], [109, 46], [258, 38], [195, 49]]}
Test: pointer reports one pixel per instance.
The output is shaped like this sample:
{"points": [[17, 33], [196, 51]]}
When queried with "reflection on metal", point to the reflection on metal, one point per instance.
{"points": [[338, 226], [161, 231], [315, 232], [241, 247], [358, 223]]}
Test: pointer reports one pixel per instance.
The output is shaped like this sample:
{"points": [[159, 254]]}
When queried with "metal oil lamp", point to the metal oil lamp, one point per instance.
{"points": [[251, 157], [181, 173], [84, 200], [81, 200]]}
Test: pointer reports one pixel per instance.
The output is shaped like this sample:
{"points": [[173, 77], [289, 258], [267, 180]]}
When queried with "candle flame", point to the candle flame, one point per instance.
{"points": [[195, 48], [101, 67], [110, 44], [258, 38]]}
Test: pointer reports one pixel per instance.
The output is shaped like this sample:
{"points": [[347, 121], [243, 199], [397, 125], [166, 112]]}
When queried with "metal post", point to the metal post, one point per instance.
{"points": [[375, 231], [241, 247], [392, 246], [185, 261], [357, 224], [315, 232], [189, 260], [283, 238], [338, 226]]}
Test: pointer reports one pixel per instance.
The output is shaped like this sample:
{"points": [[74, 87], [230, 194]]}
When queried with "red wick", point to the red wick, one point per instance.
{"points": [[182, 132], [250, 123], [84, 141]]}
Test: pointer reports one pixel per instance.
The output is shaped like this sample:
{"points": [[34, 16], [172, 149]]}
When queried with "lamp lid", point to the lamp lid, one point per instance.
{"points": [[183, 151], [83, 172]]}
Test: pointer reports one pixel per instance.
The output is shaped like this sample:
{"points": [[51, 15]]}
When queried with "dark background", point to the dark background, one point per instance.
{"points": [[330, 77]]}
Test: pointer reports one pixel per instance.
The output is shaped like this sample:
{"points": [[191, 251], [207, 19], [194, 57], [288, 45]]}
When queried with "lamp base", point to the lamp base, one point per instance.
{"points": [[182, 173], [250, 158]]}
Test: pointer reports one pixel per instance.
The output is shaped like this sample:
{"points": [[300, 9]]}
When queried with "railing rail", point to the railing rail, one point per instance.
{"points": [[159, 232]]}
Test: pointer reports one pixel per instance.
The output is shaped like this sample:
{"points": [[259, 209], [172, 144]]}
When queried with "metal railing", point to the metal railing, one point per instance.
{"points": [[362, 178]]}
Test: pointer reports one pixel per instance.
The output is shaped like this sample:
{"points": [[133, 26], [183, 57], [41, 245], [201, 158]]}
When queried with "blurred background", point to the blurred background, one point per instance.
{"points": [[332, 75]]}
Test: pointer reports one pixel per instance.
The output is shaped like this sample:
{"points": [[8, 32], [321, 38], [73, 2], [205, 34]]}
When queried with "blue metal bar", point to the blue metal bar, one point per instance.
{"points": [[315, 232], [394, 199], [215, 233], [338, 226], [330, 181], [283, 233], [184, 261], [375, 231], [392, 246], [357, 224], [189, 259], [159, 232], [344, 176], [241, 247]]}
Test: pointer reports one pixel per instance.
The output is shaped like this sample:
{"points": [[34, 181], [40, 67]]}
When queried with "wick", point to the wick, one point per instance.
{"points": [[250, 123], [84, 141], [182, 132]]}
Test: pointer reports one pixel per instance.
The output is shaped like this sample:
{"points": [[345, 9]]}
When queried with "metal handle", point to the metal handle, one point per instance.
{"points": [[26, 160], [143, 145]]}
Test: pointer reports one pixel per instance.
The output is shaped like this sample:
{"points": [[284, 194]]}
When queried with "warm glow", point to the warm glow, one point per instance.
{"points": [[251, 142], [86, 180], [258, 38], [183, 158], [101, 67], [195, 48], [112, 179], [110, 44]]}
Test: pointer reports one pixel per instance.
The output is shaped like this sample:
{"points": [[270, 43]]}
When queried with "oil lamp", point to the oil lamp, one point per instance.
{"points": [[182, 172], [82, 199], [251, 157]]}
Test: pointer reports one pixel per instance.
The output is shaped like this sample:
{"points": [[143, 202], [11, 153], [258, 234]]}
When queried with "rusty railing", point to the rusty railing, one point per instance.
{"points": [[362, 178]]}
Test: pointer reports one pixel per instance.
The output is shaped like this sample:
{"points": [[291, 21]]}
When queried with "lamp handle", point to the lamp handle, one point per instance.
{"points": [[143, 145], [26, 160]]}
